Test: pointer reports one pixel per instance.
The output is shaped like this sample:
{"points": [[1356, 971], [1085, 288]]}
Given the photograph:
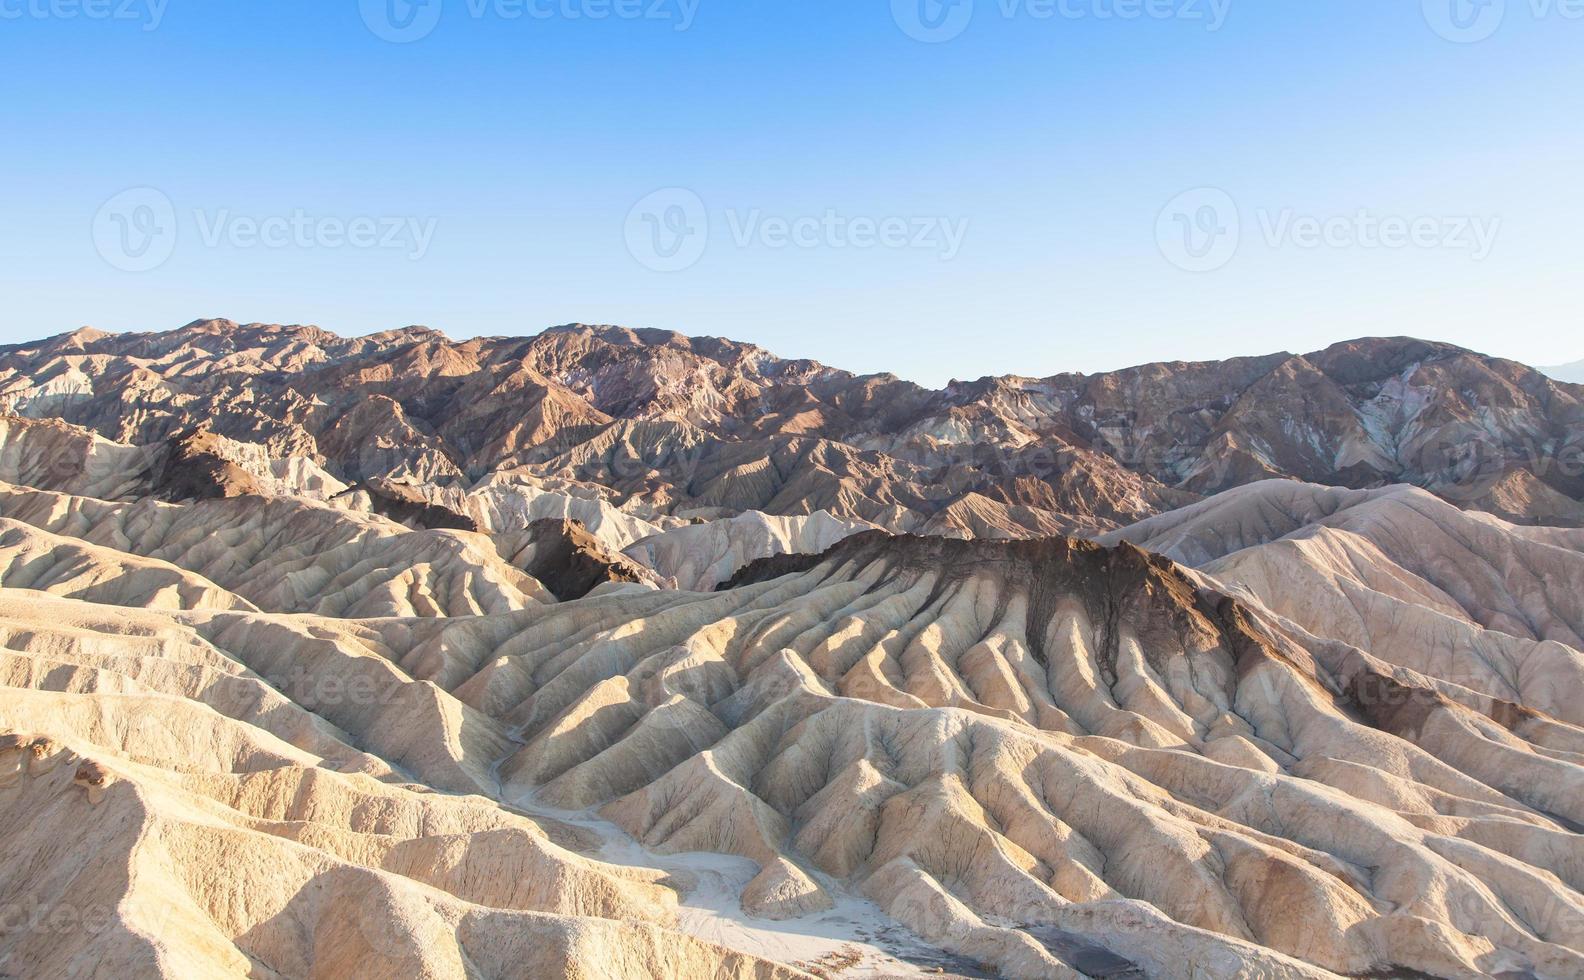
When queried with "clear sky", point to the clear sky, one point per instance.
{"points": [[985, 186]]}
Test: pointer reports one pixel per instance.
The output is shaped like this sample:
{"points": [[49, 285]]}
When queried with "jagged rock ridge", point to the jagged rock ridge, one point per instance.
{"points": [[671, 425]]}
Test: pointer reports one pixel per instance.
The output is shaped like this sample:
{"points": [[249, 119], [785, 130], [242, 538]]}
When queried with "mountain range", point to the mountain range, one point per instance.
{"points": [[663, 425], [612, 653]]}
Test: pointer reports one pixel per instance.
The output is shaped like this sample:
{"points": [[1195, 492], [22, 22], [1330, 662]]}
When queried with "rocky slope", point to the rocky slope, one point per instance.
{"points": [[1014, 749], [1491, 611], [632, 676], [666, 425]]}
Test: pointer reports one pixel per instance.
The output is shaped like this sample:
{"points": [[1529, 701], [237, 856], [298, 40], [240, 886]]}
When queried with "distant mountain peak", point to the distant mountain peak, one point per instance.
{"points": [[1571, 373]]}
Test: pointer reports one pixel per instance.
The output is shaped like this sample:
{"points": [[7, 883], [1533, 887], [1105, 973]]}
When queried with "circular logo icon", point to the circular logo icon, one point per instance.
{"points": [[1465, 21], [401, 21], [135, 231], [932, 21], [1200, 230], [668, 230], [1460, 464]]}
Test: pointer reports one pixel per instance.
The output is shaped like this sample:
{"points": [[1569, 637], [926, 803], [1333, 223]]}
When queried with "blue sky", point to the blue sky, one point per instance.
{"points": [[1038, 187]]}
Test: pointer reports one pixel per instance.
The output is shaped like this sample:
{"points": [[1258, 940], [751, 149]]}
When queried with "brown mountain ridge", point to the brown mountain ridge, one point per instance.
{"points": [[664, 424]]}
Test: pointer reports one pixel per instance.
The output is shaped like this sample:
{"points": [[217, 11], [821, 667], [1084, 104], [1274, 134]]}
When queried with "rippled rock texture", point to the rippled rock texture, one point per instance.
{"points": [[268, 710]]}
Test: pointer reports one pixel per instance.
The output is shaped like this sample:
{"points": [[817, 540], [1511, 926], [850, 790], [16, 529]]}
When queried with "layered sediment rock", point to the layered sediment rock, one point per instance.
{"points": [[600, 654]]}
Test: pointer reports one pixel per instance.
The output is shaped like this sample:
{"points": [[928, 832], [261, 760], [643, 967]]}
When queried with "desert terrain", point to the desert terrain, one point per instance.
{"points": [[610, 653]]}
